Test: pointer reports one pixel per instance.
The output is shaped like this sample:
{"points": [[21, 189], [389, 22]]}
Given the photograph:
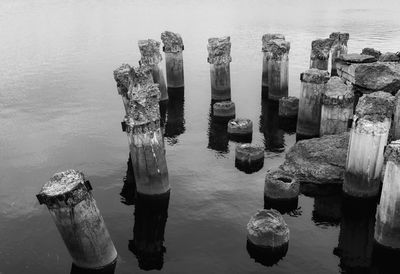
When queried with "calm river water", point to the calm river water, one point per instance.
{"points": [[59, 109]]}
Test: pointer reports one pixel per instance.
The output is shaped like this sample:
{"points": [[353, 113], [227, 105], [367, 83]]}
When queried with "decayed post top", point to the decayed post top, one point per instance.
{"points": [[375, 106], [219, 50], [276, 48], [150, 51], [320, 48], [172, 41]]}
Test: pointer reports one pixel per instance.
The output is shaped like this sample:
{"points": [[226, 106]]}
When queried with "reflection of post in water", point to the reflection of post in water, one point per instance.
{"points": [[269, 126], [356, 234], [151, 213], [175, 124], [128, 191], [218, 138], [110, 269], [327, 210]]}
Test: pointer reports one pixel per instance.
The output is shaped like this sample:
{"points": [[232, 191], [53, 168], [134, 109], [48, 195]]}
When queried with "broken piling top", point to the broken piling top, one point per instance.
{"points": [[121, 75], [392, 152], [150, 51], [339, 38], [172, 41], [268, 37], [139, 77], [277, 48], [372, 52], [376, 106], [315, 76], [65, 188], [219, 50], [320, 48], [337, 92]]}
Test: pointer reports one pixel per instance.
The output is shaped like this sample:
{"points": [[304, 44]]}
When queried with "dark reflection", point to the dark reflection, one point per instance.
{"points": [[151, 215], [283, 205], [175, 121], [128, 191], [356, 235], [269, 126], [163, 111], [109, 269], [266, 255], [327, 210], [385, 260], [218, 138], [249, 166], [300, 137]]}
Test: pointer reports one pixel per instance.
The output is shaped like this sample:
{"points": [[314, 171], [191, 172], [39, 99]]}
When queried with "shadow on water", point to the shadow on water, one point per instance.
{"points": [[110, 269], [151, 213], [175, 120], [128, 191], [218, 138]]}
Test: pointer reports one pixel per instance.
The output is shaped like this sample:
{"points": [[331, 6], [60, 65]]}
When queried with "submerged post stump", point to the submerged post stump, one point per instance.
{"points": [[224, 110], [240, 130], [219, 57], [173, 48], [121, 76], [313, 83], [320, 50], [146, 139], [249, 158], [387, 225], [338, 48], [72, 206], [337, 107], [275, 66], [368, 137]]}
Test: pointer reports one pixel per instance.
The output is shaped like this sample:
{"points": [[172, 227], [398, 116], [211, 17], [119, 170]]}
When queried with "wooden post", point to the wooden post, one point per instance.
{"points": [[396, 118], [368, 137], [240, 130], [275, 66], [338, 48], [249, 158], [72, 206], [121, 76], [224, 110], [313, 83], [173, 48], [219, 57], [320, 50], [145, 137], [387, 225], [337, 107]]}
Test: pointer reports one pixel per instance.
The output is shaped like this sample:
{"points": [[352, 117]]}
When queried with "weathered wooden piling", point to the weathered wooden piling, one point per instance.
{"points": [[320, 51], [337, 107], [240, 130], [396, 118], [145, 138], [122, 76], [249, 158], [151, 57], [173, 48], [339, 47], [68, 197], [368, 137], [387, 225], [275, 66], [224, 110], [313, 83], [219, 57]]}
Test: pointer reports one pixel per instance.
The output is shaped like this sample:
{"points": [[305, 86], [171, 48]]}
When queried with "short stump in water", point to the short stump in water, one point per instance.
{"points": [[240, 130], [224, 110], [249, 158]]}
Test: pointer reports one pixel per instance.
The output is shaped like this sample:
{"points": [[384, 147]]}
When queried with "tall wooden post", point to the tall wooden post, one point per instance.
{"points": [[338, 48], [320, 50], [173, 48]]}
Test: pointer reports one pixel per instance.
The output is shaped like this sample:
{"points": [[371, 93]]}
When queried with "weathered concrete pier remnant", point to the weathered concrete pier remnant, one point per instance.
{"points": [[249, 158], [387, 225], [320, 51], [145, 137], [68, 197], [267, 237], [275, 66], [219, 57], [224, 110], [313, 83], [396, 118], [339, 47], [240, 130], [173, 48], [122, 77], [368, 138], [337, 107], [281, 191], [151, 56]]}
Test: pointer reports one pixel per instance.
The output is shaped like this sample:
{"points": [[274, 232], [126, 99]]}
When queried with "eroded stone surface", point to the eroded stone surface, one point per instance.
{"points": [[319, 160], [270, 36], [219, 50], [389, 57], [63, 182], [337, 92], [314, 75], [150, 51], [371, 52], [277, 48], [356, 58], [121, 75], [321, 48], [375, 106], [172, 41]]}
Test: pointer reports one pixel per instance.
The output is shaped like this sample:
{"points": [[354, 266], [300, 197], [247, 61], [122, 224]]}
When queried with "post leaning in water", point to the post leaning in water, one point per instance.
{"points": [[173, 48], [339, 47], [313, 83], [337, 107], [72, 206], [387, 224], [368, 138], [145, 137], [275, 66], [219, 57], [320, 51]]}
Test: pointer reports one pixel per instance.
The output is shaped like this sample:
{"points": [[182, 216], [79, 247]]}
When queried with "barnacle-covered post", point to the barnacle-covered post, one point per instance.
{"points": [[387, 224], [173, 48], [219, 57], [320, 50], [339, 47], [275, 66], [313, 83], [145, 136], [337, 107], [121, 76], [71, 204], [368, 138]]}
